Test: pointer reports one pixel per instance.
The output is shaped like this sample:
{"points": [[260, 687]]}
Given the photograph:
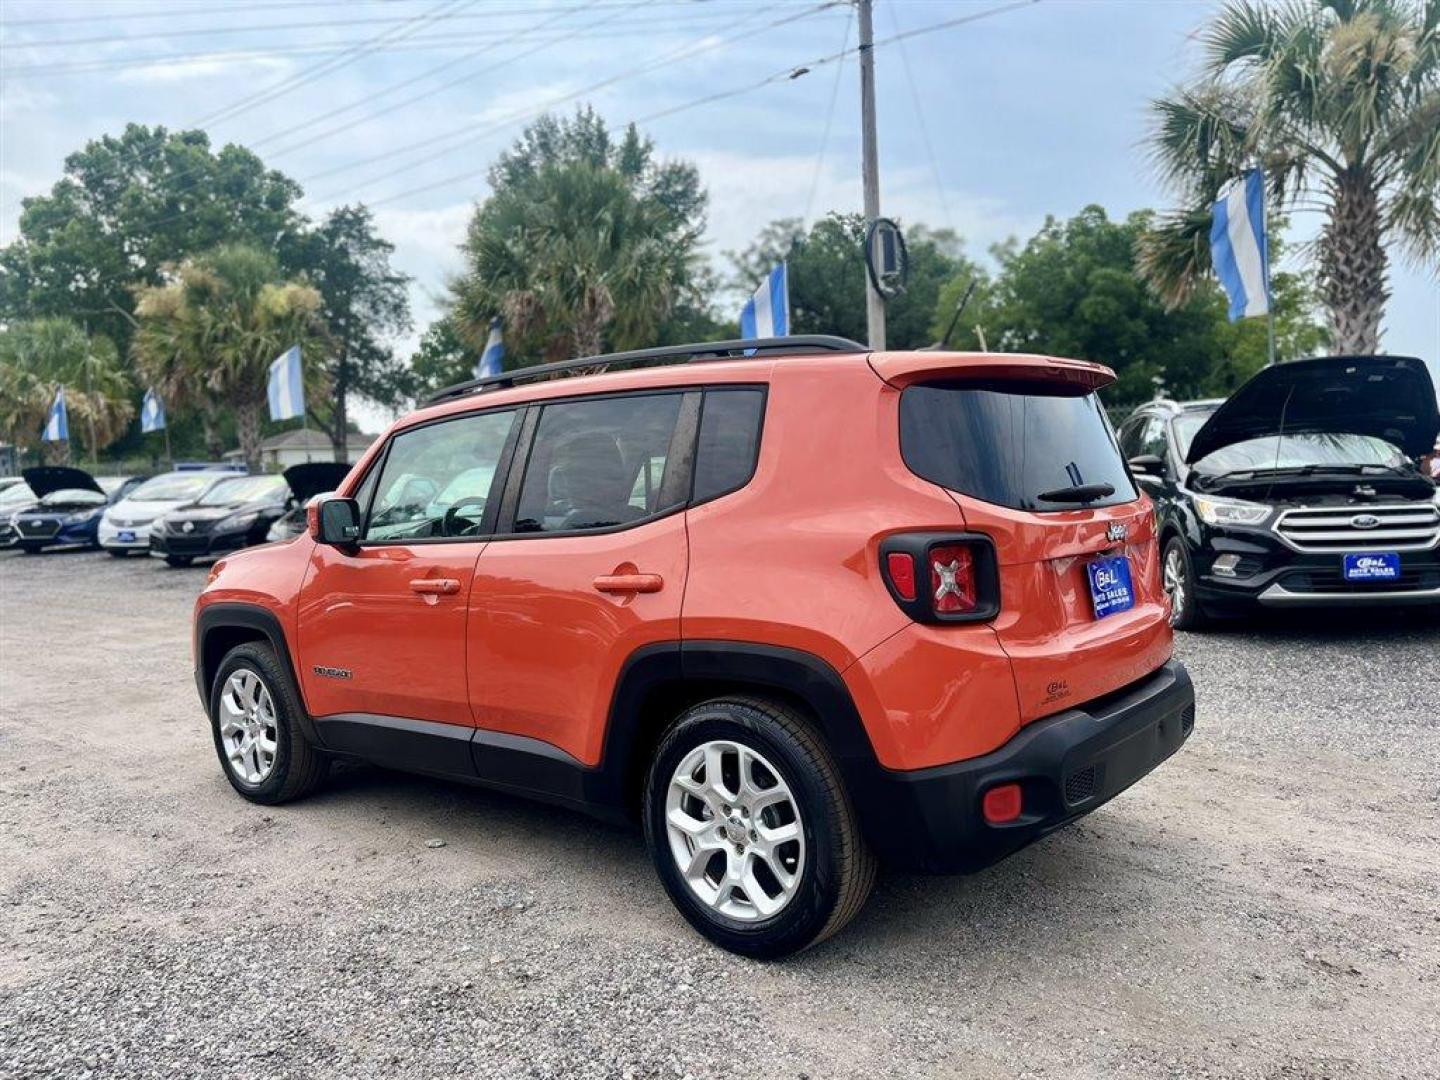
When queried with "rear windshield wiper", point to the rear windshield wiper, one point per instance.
{"points": [[1080, 493]]}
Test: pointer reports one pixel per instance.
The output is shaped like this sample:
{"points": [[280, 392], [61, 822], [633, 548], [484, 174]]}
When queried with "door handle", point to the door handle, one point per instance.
{"points": [[629, 583], [435, 586]]}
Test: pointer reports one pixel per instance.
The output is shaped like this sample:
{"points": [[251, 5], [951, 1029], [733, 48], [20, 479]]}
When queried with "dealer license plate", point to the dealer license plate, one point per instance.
{"points": [[1111, 590], [1372, 566]]}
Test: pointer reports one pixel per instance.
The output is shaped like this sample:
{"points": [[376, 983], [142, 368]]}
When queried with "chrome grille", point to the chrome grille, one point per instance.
{"points": [[1411, 527], [196, 527]]}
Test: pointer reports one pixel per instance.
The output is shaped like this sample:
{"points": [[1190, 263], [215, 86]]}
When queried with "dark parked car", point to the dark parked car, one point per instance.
{"points": [[1300, 490], [68, 506], [238, 513]]}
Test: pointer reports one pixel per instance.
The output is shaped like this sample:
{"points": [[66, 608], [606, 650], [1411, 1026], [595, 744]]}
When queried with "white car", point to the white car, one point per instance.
{"points": [[125, 527]]}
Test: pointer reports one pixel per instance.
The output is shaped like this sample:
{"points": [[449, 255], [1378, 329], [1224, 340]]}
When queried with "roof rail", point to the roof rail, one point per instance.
{"points": [[702, 350]]}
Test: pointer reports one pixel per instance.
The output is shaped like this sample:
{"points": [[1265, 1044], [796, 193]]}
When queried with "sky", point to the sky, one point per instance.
{"points": [[1021, 110]]}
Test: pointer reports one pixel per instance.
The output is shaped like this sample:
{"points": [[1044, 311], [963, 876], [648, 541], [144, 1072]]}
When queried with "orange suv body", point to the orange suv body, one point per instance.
{"points": [[528, 585]]}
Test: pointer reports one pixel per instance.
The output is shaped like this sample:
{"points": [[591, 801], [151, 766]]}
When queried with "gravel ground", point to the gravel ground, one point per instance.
{"points": [[1265, 905]]}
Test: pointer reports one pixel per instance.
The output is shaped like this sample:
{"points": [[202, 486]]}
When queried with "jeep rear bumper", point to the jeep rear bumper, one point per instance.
{"points": [[1067, 765]]}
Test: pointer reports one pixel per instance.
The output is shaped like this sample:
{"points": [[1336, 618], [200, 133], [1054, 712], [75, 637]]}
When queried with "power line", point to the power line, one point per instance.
{"points": [[778, 76], [286, 5], [483, 128], [920, 119], [270, 28], [564, 12], [440, 42], [825, 134], [325, 67]]}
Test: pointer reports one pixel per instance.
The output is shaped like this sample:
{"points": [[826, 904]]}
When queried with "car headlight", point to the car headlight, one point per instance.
{"points": [[1230, 512], [77, 518], [237, 521]]}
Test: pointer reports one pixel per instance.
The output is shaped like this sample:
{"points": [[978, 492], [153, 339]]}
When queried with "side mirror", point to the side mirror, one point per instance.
{"points": [[1148, 465], [335, 521]]}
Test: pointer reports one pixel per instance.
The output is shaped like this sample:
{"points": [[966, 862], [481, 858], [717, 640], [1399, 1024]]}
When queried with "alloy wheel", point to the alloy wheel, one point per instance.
{"points": [[1173, 576], [735, 831], [248, 726]]}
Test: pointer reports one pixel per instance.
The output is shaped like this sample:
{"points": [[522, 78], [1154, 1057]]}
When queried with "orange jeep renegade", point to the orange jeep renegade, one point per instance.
{"points": [[795, 605]]}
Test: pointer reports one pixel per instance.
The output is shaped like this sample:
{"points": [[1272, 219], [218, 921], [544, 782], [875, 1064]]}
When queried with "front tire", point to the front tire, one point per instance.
{"points": [[117, 553], [254, 718], [1178, 577], [178, 561], [751, 830]]}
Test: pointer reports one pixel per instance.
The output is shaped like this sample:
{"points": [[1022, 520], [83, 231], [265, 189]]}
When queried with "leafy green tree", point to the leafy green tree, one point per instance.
{"points": [[585, 243], [443, 358], [827, 277], [37, 357], [215, 330], [1074, 290], [1339, 102], [364, 303], [125, 208]]}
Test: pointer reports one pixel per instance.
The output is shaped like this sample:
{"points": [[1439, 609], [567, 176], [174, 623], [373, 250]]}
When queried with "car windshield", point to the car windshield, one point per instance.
{"points": [[1300, 451], [176, 487], [73, 497], [244, 489]]}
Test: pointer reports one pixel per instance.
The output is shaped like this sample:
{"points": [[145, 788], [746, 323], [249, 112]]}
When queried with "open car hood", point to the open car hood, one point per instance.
{"points": [[43, 479], [313, 477], [1388, 397]]}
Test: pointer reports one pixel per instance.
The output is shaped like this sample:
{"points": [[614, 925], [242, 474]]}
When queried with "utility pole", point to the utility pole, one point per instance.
{"points": [[870, 167]]}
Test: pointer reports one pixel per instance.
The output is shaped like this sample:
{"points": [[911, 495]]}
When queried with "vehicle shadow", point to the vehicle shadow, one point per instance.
{"points": [[1074, 878]]}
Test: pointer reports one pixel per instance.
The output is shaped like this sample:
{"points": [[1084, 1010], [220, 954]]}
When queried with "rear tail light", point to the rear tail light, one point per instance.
{"points": [[942, 577], [952, 579]]}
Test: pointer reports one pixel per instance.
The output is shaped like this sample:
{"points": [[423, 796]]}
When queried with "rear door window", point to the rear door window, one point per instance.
{"points": [[598, 463], [1012, 444]]}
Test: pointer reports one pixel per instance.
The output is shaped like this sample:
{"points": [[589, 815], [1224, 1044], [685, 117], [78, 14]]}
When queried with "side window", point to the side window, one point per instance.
{"points": [[597, 464], [1130, 435], [1152, 438], [436, 479], [729, 441]]}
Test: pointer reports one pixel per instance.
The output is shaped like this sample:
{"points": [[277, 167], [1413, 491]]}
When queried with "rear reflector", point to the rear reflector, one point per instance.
{"points": [[1002, 803], [952, 579], [901, 567]]}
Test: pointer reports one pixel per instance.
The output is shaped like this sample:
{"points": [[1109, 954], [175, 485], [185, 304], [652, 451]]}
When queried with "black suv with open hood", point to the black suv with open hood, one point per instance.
{"points": [[1299, 490]]}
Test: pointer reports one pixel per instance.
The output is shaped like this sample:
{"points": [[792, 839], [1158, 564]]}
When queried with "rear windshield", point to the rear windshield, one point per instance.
{"points": [[1011, 443]]}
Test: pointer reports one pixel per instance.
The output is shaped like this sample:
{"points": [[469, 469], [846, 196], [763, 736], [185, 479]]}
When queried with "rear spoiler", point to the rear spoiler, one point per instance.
{"points": [[902, 369]]}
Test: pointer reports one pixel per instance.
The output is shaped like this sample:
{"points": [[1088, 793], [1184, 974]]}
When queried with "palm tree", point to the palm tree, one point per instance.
{"points": [[37, 357], [211, 334], [585, 242], [1338, 101]]}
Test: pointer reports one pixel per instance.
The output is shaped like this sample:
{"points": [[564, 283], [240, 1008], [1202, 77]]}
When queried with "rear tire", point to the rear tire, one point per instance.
{"points": [[1178, 576], [178, 561], [809, 884], [254, 719]]}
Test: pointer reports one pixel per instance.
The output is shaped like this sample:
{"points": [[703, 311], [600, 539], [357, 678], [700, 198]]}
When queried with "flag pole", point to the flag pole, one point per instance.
{"points": [[1269, 294]]}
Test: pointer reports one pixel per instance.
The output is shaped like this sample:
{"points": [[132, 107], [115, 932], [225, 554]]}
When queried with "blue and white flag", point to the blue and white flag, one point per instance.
{"points": [[767, 313], [152, 413], [286, 389], [57, 424], [494, 352], [1239, 248]]}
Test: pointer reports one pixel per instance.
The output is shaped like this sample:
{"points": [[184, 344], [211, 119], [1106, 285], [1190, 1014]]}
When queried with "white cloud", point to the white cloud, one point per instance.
{"points": [[232, 67]]}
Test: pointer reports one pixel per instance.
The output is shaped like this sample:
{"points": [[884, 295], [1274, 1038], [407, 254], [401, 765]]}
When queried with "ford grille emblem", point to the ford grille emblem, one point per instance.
{"points": [[1117, 531], [1364, 521]]}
